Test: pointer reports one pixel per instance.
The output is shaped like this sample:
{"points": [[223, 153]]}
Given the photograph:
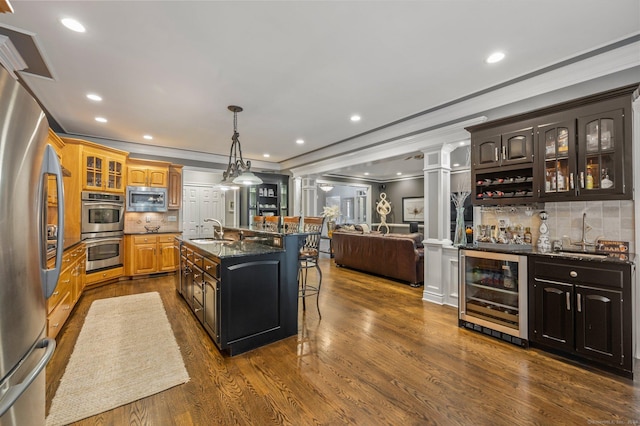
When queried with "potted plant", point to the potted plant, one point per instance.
{"points": [[331, 213]]}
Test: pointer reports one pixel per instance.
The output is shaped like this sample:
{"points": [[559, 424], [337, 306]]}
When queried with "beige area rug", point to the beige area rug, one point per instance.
{"points": [[126, 351]]}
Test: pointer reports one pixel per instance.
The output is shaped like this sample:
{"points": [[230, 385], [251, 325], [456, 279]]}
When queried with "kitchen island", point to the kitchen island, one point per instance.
{"points": [[243, 290]]}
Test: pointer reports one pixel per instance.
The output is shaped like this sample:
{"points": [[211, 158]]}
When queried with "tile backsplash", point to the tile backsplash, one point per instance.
{"points": [[134, 222], [611, 220]]}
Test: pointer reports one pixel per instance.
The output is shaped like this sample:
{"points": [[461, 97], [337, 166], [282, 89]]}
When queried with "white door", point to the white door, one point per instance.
{"points": [[199, 203], [190, 212]]}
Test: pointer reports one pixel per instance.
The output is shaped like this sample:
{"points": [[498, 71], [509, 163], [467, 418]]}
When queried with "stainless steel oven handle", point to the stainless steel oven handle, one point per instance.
{"points": [[99, 241], [102, 203]]}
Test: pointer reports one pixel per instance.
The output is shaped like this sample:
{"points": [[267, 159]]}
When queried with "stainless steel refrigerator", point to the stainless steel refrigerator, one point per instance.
{"points": [[27, 163]]}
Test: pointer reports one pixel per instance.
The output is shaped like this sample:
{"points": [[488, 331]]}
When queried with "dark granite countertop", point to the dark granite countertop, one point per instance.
{"points": [[627, 258], [225, 249]]}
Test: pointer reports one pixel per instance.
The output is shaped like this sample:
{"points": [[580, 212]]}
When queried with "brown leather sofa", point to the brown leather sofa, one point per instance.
{"points": [[398, 256]]}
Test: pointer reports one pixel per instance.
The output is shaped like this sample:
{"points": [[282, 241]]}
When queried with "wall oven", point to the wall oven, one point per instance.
{"points": [[101, 214], [104, 253], [103, 230], [493, 294]]}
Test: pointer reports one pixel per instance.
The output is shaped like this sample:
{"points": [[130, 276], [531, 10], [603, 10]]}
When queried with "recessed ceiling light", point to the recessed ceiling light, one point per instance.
{"points": [[73, 25], [300, 141], [366, 173], [399, 173], [265, 155], [101, 119], [456, 164], [462, 143], [148, 137], [94, 97], [495, 57], [355, 118]]}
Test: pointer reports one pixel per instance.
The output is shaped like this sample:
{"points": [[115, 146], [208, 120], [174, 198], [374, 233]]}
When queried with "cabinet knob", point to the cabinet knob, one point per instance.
{"points": [[573, 274]]}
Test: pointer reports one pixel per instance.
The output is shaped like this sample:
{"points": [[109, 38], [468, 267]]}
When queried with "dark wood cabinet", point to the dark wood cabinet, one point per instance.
{"points": [[599, 324], [557, 166], [270, 198], [503, 149], [578, 150], [602, 150], [576, 307], [553, 315]]}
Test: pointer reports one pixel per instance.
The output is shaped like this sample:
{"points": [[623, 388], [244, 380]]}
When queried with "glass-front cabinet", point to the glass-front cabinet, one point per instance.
{"points": [[102, 171], [557, 140], [267, 199], [601, 144], [493, 294]]}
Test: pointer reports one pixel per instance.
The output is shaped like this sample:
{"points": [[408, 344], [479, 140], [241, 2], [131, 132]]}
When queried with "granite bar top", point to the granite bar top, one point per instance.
{"points": [[627, 258], [227, 249]]}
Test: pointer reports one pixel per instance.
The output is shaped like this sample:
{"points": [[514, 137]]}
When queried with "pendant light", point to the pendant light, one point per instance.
{"points": [[238, 171]]}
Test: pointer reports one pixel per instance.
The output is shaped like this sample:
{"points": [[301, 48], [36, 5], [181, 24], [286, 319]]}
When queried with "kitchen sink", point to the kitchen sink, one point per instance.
{"points": [[211, 241]]}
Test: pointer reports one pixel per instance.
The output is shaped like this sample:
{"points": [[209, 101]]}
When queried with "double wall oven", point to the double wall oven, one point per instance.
{"points": [[103, 229]]}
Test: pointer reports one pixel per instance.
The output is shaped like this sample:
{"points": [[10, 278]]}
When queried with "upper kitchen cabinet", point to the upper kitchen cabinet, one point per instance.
{"points": [[100, 168], [147, 173], [503, 149], [175, 187], [502, 164], [604, 151], [557, 142], [576, 150]]}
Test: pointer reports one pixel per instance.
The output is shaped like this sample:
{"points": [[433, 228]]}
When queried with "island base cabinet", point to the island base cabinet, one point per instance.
{"points": [[578, 308], [243, 302], [252, 301]]}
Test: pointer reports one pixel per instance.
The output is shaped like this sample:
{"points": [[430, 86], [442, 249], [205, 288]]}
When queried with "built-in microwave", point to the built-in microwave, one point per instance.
{"points": [[146, 199]]}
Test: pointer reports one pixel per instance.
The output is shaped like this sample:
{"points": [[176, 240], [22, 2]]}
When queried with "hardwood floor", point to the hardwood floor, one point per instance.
{"points": [[380, 355]]}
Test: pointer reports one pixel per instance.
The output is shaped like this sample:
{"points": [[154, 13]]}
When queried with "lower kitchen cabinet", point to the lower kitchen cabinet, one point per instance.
{"points": [[68, 290], [583, 309], [150, 253]]}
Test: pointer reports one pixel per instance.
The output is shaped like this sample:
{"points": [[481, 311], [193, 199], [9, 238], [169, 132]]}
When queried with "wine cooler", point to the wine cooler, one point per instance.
{"points": [[493, 294]]}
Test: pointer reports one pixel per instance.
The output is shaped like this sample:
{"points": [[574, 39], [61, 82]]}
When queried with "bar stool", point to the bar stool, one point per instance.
{"points": [[308, 258], [290, 224], [271, 223], [257, 222]]}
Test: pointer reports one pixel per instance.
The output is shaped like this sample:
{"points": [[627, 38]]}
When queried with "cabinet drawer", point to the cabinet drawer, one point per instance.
{"points": [[211, 267], [197, 260], [100, 276], [143, 239], [63, 287], [167, 238], [58, 316], [581, 272]]}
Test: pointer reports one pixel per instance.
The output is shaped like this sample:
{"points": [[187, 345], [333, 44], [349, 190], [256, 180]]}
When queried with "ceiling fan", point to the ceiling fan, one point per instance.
{"points": [[415, 157]]}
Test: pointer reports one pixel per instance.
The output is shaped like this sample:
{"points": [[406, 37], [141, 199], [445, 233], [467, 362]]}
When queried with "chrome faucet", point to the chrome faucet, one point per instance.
{"points": [[221, 231], [583, 242]]}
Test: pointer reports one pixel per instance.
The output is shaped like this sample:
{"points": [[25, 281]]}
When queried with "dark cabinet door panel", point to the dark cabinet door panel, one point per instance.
{"points": [[253, 291], [517, 147], [599, 323], [553, 322]]}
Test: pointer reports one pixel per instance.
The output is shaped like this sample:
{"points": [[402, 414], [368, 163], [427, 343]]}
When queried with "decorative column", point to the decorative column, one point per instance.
{"points": [[437, 219]]}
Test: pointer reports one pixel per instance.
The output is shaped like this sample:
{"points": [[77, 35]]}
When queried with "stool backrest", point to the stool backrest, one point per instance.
{"points": [[257, 222], [290, 224], [272, 223], [313, 225]]}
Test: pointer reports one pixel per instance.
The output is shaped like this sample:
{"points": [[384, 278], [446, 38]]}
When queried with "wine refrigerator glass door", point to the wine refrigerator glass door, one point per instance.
{"points": [[493, 290]]}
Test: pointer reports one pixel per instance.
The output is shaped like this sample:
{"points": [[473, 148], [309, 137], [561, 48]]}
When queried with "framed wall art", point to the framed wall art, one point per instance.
{"points": [[413, 209]]}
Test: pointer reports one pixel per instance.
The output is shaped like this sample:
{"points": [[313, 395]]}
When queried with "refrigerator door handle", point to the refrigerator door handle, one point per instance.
{"points": [[51, 166], [14, 392]]}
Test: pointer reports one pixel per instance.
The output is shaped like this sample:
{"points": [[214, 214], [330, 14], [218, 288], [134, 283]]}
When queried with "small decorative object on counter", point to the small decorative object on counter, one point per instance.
{"points": [[544, 245], [527, 235]]}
